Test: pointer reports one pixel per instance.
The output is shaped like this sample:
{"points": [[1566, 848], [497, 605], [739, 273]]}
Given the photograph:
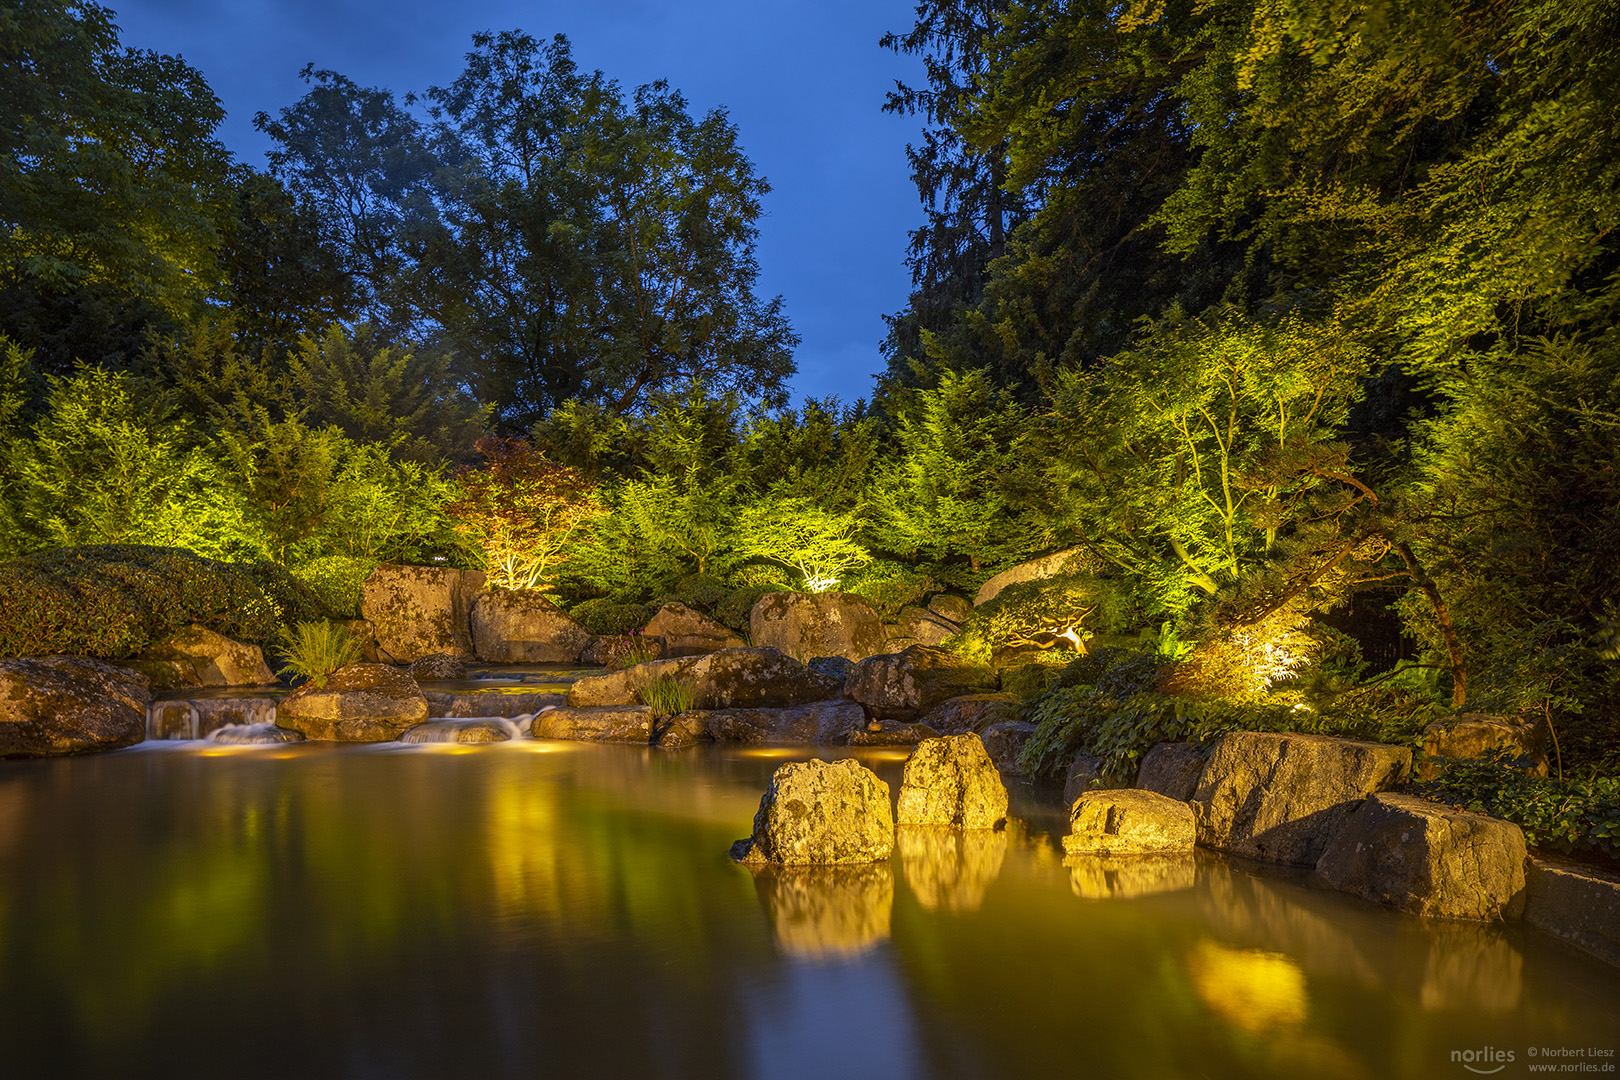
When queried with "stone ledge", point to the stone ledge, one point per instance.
{"points": [[1580, 905]]}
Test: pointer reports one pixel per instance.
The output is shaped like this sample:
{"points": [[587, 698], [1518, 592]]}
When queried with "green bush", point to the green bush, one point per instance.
{"points": [[1573, 816], [735, 610], [1108, 703], [313, 650], [114, 600], [336, 580], [605, 617], [1056, 612], [890, 586]]}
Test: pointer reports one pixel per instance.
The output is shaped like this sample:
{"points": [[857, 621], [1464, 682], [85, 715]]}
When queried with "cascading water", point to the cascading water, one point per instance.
{"points": [[471, 729], [200, 717]]}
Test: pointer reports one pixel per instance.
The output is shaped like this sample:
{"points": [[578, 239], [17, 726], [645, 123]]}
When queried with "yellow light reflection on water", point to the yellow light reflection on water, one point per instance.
{"points": [[1255, 990]]}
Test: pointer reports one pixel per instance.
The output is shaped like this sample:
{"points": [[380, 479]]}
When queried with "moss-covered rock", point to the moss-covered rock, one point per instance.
{"points": [[419, 610], [803, 625], [818, 812], [55, 705], [905, 685], [359, 703]]}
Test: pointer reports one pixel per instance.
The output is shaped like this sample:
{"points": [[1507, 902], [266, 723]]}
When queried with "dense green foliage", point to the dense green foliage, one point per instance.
{"points": [[1575, 816], [114, 600]]}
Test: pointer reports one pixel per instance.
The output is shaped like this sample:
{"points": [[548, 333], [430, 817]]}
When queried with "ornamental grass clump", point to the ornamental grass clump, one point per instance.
{"points": [[667, 695], [313, 650]]}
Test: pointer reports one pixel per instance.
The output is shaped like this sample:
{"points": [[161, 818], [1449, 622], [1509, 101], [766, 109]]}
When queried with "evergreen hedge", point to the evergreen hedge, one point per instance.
{"points": [[114, 600]]}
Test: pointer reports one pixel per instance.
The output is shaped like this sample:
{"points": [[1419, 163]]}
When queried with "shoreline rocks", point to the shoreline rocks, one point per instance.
{"points": [[196, 656], [1420, 857], [689, 633], [747, 678], [905, 685], [1282, 797]]}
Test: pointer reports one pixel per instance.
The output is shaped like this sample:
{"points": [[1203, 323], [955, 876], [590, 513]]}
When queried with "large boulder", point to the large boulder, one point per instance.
{"points": [[1280, 797], [606, 723], [196, 656], [971, 712], [1417, 856], [1477, 735], [952, 781], [1129, 822], [1004, 742], [54, 705], [952, 609], [359, 703], [821, 812], [749, 678], [418, 610], [803, 625], [1034, 570], [904, 685], [690, 633], [1171, 769], [519, 626], [816, 722]]}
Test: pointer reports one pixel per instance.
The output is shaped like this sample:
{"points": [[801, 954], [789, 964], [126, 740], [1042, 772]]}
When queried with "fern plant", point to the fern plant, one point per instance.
{"points": [[313, 650]]}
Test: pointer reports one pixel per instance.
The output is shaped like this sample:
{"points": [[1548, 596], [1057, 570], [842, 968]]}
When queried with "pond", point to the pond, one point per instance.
{"points": [[540, 909]]}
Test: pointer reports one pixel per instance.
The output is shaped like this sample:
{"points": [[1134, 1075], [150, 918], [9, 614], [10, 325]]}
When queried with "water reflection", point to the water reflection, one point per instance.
{"points": [[827, 913], [1252, 989], [950, 869], [1104, 877], [513, 911]]}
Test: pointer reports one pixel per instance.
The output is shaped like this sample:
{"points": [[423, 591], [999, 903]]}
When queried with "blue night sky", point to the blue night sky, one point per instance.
{"points": [[803, 81]]}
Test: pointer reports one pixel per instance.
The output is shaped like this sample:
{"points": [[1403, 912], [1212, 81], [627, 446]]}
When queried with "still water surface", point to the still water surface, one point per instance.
{"points": [[559, 909]]}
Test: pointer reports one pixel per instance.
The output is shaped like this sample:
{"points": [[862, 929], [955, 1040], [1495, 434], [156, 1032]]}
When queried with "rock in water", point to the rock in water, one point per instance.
{"points": [[1172, 769], [605, 723], [1129, 822], [952, 781], [817, 812], [438, 667], [419, 610], [690, 633], [889, 734], [359, 703], [817, 624], [196, 656], [519, 626], [53, 705], [904, 685], [1281, 797], [817, 722], [1417, 856]]}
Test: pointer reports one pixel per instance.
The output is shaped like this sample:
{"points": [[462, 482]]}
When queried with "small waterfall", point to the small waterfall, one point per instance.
{"points": [[472, 729], [176, 719], [262, 734]]}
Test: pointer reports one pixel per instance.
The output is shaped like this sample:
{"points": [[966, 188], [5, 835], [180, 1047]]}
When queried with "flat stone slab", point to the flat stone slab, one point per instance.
{"points": [[1579, 905], [1420, 857], [1129, 822], [447, 705], [819, 722]]}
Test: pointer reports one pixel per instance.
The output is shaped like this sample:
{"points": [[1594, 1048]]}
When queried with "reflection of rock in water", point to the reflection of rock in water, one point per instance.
{"points": [[827, 912], [1473, 969], [1120, 877], [949, 869], [1248, 909], [1255, 990]]}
